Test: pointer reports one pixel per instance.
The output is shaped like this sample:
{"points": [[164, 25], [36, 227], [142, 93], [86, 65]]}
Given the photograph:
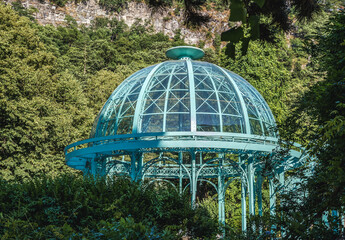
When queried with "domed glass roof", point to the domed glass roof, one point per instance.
{"points": [[184, 96]]}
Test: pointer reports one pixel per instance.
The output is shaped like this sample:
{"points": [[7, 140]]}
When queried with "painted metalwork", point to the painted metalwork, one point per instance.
{"points": [[185, 122]]}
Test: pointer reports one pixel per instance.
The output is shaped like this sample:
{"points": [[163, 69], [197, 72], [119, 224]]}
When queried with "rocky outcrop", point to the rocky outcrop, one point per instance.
{"points": [[166, 20]]}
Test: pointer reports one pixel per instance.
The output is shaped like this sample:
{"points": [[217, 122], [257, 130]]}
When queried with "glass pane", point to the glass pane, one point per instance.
{"points": [[127, 109], [131, 87], [198, 68], [208, 122], [251, 108], [256, 105], [232, 124], [181, 67], [206, 101], [125, 125], [154, 103], [203, 82], [159, 83], [255, 127], [137, 87], [152, 123], [132, 96], [269, 130], [177, 122], [110, 125], [164, 69], [110, 115], [179, 81], [229, 104], [178, 101]]}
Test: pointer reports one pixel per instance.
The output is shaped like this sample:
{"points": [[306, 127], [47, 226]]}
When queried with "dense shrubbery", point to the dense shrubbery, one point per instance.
{"points": [[70, 206]]}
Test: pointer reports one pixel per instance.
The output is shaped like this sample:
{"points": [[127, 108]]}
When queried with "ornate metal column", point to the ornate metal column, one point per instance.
{"points": [[325, 218], [136, 166], [243, 195], [282, 180], [243, 204], [272, 196], [94, 168], [140, 167], [180, 160], [259, 192], [133, 172], [221, 192], [250, 176], [193, 179]]}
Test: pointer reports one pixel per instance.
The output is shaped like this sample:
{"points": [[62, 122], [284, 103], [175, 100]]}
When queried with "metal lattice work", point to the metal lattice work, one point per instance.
{"points": [[186, 121], [184, 96]]}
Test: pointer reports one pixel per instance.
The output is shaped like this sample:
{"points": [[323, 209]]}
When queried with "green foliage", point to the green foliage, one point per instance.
{"points": [[325, 103], [22, 11], [55, 80], [262, 19], [113, 5], [271, 70], [322, 109], [73, 207], [36, 103]]}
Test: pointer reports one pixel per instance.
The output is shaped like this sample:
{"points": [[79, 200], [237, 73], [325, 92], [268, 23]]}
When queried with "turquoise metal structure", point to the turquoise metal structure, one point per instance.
{"points": [[185, 122]]}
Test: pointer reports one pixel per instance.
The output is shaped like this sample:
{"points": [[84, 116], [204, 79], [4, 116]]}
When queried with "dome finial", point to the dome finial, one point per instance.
{"points": [[182, 52]]}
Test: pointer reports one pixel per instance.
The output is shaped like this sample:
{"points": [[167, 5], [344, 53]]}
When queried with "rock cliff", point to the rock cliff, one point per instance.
{"points": [[165, 20]]}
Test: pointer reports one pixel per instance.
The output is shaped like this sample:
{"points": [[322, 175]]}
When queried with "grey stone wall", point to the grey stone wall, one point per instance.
{"points": [[160, 20]]}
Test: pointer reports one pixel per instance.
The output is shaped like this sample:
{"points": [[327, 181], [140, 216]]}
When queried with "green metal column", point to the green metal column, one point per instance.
{"points": [[259, 193], [342, 219], [94, 167], [140, 167], [103, 170], [251, 197], [193, 180], [325, 218], [133, 172], [243, 205], [180, 160], [272, 197], [282, 179], [221, 193], [243, 197], [282, 187]]}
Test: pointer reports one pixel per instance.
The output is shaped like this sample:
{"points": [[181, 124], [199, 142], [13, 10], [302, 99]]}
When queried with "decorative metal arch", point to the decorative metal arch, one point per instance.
{"points": [[159, 180]]}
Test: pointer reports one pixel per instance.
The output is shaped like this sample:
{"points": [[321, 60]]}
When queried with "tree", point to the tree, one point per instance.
{"points": [[325, 103], [54, 81], [323, 109], [41, 111]]}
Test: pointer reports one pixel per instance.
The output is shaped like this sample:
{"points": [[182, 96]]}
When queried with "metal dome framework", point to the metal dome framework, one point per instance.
{"points": [[190, 121]]}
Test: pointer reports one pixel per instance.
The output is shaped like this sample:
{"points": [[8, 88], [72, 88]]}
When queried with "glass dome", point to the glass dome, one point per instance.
{"points": [[184, 96]]}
